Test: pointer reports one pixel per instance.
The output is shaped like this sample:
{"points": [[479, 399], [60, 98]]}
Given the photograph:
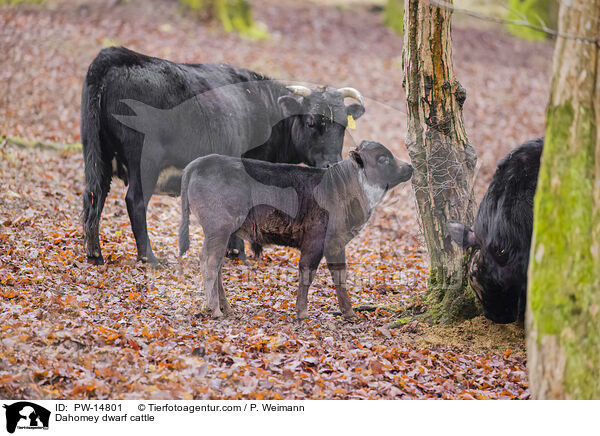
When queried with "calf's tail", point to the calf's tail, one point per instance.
{"points": [[98, 169], [184, 227]]}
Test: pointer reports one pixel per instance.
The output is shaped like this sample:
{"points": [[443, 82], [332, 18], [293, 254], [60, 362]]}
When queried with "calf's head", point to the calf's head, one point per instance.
{"points": [[382, 171], [318, 121], [498, 266]]}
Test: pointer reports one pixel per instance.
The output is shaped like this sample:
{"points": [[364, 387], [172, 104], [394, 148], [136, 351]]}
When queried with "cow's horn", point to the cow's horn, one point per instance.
{"points": [[352, 93], [300, 90]]}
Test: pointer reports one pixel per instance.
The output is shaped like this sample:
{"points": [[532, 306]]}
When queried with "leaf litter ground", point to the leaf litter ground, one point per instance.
{"points": [[125, 330]]}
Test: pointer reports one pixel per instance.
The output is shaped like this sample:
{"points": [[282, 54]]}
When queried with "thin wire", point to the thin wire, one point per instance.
{"points": [[542, 27]]}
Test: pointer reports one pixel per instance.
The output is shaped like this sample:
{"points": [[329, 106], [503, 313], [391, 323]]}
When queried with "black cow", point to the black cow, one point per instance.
{"points": [[144, 119], [502, 235], [316, 210]]}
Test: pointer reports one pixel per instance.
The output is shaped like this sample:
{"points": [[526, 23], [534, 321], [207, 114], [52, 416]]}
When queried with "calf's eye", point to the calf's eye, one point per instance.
{"points": [[383, 160]]}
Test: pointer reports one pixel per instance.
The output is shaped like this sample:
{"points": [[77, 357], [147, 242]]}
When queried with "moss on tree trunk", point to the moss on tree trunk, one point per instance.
{"points": [[563, 309], [440, 152], [234, 15]]}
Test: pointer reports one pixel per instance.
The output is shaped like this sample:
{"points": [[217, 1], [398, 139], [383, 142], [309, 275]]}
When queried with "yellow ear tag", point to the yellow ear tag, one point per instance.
{"points": [[351, 122]]}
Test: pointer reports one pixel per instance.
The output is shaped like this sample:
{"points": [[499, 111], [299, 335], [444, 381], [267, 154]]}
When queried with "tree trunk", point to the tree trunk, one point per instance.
{"points": [[443, 159], [537, 12], [563, 308]]}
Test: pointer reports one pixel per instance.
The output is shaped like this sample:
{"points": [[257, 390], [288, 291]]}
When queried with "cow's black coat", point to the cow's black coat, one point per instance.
{"points": [[127, 97], [501, 238]]}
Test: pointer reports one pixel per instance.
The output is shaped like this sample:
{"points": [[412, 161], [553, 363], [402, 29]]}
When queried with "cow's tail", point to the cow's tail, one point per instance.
{"points": [[98, 169], [184, 227]]}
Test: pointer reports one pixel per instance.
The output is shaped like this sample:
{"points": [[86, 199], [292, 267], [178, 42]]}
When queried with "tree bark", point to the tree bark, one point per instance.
{"points": [[440, 152], [563, 305]]}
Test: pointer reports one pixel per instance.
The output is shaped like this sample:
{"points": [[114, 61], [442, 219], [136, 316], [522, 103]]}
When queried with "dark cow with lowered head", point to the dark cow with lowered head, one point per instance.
{"points": [[502, 235], [316, 210], [144, 119]]}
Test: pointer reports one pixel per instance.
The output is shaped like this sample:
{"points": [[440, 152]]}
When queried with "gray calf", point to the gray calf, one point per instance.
{"points": [[316, 210]]}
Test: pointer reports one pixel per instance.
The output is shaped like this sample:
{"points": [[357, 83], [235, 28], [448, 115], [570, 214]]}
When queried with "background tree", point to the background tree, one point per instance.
{"points": [[563, 317], [393, 15], [440, 152], [234, 15], [537, 12]]}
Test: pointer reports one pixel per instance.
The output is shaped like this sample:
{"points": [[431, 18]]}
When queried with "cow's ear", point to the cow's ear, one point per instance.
{"points": [[356, 110], [461, 234], [289, 105], [355, 156]]}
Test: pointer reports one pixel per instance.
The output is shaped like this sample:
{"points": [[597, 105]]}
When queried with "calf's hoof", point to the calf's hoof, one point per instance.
{"points": [[217, 313], [350, 315], [302, 314], [226, 309], [96, 260]]}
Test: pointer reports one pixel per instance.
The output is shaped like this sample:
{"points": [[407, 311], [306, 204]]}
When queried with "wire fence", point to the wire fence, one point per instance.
{"points": [[541, 27]]}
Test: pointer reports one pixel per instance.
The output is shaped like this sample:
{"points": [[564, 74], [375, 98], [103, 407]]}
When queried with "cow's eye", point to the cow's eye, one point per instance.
{"points": [[501, 255]]}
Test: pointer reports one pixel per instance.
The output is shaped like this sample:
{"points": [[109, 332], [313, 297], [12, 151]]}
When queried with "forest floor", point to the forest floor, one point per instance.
{"points": [[126, 330]]}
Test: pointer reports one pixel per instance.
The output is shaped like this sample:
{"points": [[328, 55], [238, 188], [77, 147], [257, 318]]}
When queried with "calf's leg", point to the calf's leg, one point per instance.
{"points": [[223, 303], [213, 252], [310, 256], [336, 262]]}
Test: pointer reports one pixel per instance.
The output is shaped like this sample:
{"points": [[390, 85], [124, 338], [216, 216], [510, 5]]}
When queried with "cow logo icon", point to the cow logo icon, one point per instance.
{"points": [[26, 415]]}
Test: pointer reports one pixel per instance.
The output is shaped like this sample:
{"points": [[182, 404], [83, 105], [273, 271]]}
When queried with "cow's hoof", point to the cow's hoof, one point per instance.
{"points": [[96, 260], [155, 262], [256, 251], [235, 254], [303, 314], [217, 313]]}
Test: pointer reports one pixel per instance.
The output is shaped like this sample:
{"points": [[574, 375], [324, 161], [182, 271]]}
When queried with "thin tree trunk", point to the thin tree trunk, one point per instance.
{"points": [[563, 309], [443, 159]]}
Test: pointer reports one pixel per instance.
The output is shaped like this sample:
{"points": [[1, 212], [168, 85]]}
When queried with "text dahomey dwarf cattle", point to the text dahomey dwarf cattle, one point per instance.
{"points": [[316, 210], [142, 118], [502, 235]]}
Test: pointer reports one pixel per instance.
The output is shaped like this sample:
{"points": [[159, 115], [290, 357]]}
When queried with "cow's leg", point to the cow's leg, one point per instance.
{"points": [[96, 190], [310, 256], [336, 262], [136, 208], [257, 250], [213, 253], [223, 303], [235, 248]]}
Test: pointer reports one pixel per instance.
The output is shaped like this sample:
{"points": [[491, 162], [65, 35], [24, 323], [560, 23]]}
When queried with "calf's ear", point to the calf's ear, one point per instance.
{"points": [[355, 156], [289, 105], [356, 110], [461, 234]]}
